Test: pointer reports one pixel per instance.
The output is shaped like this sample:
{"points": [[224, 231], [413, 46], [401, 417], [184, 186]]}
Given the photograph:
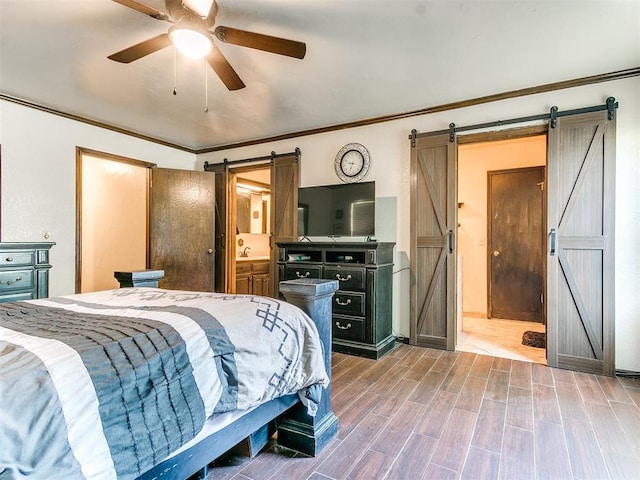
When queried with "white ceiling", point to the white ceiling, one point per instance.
{"points": [[365, 58]]}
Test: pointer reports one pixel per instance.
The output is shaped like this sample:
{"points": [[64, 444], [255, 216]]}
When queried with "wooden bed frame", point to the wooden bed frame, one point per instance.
{"points": [[296, 429]]}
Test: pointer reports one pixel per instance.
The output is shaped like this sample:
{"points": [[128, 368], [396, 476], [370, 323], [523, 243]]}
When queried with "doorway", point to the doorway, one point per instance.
{"points": [[112, 228], [252, 206], [283, 183], [501, 202], [132, 215], [580, 221]]}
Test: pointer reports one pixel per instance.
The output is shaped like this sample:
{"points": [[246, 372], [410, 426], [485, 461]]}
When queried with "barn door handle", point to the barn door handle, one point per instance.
{"points": [[552, 249], [450, 241]]}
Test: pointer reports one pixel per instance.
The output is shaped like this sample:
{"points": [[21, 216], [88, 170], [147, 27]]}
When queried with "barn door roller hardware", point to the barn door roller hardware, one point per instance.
{"points": [[609, 106], [552, 116], [412, 137], [452, 132], [263, 159]]}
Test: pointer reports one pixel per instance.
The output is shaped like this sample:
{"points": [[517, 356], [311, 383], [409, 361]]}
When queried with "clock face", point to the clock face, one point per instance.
{"points": [[352, 162]]}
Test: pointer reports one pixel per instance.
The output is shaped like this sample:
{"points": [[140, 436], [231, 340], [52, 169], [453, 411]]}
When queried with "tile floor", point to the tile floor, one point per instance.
{"points": [[425, 414], [499, 338]]}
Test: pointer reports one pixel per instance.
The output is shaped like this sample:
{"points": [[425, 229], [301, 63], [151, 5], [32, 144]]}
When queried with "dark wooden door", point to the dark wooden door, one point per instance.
{"points": [[580, 255], [433, 219], [515, 257], [181, 228], [284, 210], [223, 256]]}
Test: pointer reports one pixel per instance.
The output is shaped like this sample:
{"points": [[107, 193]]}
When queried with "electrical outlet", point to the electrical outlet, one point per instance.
{"points": [[46, 236]]}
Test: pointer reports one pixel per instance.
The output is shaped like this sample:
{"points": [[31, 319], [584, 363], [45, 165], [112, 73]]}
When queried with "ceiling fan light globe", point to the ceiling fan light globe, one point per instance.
{"points": [[190, 43]]}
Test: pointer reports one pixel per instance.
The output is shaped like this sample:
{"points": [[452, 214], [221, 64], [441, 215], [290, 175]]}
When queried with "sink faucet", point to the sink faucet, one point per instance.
{"points": [[244, 252]]}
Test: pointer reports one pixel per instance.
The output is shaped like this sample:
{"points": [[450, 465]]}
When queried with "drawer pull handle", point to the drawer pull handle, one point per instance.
{"points": [[9, 282], [342, 279], [8, 259], [343, 303], [306, 274], [343, 328]]}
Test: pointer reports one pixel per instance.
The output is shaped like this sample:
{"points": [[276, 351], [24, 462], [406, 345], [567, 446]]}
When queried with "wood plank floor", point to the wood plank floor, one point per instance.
{"points": [[420, 413]]}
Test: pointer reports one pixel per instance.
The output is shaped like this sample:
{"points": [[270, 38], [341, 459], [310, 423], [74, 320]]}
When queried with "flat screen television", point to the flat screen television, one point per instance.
{"points": [[343, 210]]}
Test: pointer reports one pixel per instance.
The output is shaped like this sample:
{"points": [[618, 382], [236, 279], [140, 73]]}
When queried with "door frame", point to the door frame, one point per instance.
{"points": [[232, 212], [505, 135], [285, 170], [452, 320]]}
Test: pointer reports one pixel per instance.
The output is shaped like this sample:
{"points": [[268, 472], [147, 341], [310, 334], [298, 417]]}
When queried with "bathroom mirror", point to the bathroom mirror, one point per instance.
{"points": [[252, 206]]}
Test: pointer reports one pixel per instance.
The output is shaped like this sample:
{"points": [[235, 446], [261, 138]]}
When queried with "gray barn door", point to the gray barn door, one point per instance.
{"points": [[433, 219], [284, 210], [581, 181]]}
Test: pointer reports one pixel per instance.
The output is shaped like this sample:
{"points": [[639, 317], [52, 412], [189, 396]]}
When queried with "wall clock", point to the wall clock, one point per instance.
{"points": [[352, 162]]}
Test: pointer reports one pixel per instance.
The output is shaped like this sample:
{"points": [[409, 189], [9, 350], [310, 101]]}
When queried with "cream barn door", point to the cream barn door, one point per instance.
{"points": [[181, 228], [433, 220], [284, 210], [580, 308]]}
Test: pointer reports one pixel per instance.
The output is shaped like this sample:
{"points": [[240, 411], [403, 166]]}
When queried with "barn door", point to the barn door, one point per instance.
{"points": [[284, 210], [580, 309], [181, 228], [433, 220]]}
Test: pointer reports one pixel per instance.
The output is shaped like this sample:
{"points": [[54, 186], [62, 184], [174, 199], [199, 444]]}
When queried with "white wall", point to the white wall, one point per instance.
{"points": [[38, 182], [39, 178], [390, 152]]}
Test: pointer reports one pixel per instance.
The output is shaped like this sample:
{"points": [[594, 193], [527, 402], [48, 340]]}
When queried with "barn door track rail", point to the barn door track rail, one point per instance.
{"points": [[611, 105]]}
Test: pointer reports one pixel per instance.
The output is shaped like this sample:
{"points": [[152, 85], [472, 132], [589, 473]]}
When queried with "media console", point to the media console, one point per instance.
{"points": [[361, 308]]}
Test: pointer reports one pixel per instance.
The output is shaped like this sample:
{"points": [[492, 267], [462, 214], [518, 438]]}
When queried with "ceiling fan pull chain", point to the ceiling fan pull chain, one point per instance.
{"points": [[206, 88], [175, 71]]}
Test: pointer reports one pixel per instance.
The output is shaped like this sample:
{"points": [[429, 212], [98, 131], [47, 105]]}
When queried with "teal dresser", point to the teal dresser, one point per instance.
{"points": [[24, 270]]}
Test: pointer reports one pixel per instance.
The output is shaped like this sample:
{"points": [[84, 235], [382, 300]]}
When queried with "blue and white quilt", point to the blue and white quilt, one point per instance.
{"points": [[105, 385]]}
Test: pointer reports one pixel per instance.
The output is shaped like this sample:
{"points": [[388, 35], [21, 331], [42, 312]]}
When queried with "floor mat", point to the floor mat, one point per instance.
{"points": [[534, 339]]}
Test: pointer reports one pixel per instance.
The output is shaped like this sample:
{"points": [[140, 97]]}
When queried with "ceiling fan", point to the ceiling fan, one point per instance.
{"points": [[191, 34]]}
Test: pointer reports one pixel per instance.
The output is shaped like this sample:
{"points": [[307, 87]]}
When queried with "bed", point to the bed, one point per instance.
{"points": [[152, 384]]}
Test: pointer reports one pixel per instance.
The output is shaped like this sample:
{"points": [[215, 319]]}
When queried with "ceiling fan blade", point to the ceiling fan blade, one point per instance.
{"points": [[201, 8], [266, 43], [211, 16], [223, 69], [141, 49], [142, 8]]}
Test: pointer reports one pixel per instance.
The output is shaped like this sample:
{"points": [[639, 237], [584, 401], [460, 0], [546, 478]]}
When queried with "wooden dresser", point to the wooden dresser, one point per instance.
{"points": [[361, 308], [24, 270]]}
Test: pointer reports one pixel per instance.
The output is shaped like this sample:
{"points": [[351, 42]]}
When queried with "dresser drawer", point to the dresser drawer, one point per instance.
{"points": [[16, 280], [291, 272], [16, 258], [16, 297], [349, 303], [349, 278], [346, 328]]}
